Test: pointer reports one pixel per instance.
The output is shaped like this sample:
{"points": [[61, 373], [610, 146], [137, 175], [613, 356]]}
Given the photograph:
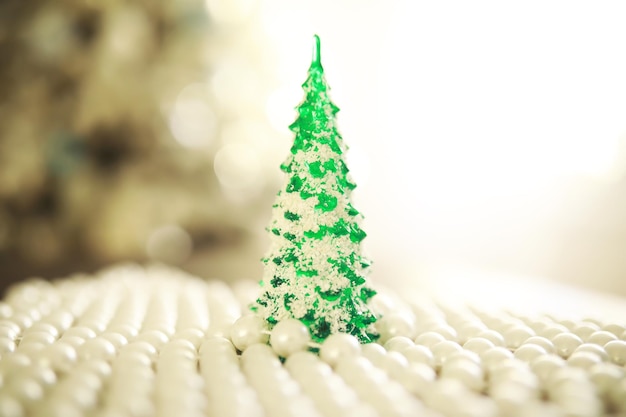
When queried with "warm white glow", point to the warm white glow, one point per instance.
{"points": [[231, 11], [358, 162], [503, 99], [169, 243], [235, 85], [288, 26], [280, 107], [191, 119], [265, 142], [238, 168]]}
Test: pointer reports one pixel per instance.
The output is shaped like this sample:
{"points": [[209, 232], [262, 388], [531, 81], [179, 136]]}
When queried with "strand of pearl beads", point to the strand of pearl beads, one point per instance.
{"points": [[290, 336]]}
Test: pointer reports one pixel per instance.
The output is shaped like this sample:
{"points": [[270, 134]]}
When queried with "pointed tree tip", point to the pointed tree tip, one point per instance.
{"points": [[317, 60]]}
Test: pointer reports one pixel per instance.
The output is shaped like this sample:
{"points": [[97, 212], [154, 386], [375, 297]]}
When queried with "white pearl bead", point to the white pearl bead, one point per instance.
{"points": [[141, 347], [429, 339], [446, 331], [426, 324], [79, 331], [59, 357], [303, 360], [566, 344], [102, 368], [37, 337], [393, 364], [442, 350], [97, 326], [7, 332], [515, 335], [97, 348], [466, 371], [601, 337], [445, 396], [391, 325], [513, 370], [593, 348], [155, 337], [544, 366], [478, 345], [374, 352], [6, 346], [354, 368], [536, 324], [179, 345], [117, 339], [31, 349], [528, 352], [605, 376], [593, 320], [510, 397], [417, 378], [584, 360], [78, 394], [541, 341], [508, 365], [10, 406], [398, 343], [11, 325], [14, 363], [247, 331], [73, 341], [44, 327], [569, 324], [552, 330], [585, 329], [133, 358], [194, 335], [493, 336], [337, 346], [61, 320], [616, 329], [26, 389], [464, 356], [289, 336], [419, 354], [126, 330], [166, 328], [468, 330], [564, 376], [616, 349], [44, 376], [23, 320], [494, 355]]}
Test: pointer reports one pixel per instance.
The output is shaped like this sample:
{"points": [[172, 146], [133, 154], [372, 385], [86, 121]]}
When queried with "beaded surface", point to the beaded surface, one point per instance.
{"points": [[134, 341]]}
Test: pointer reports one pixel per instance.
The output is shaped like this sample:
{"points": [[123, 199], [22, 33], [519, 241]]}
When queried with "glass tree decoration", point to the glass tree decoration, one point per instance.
{"points": [[314, 270]]}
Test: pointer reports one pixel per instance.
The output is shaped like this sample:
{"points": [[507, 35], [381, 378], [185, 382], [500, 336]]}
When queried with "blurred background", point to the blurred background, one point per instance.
{"points": [[483, 136]]}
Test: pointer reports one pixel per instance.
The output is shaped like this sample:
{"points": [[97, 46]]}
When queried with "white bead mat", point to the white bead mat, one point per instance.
{"points": [[133, 341]]}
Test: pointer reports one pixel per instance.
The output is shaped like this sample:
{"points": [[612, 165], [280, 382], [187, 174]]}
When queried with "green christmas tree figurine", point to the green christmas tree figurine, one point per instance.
{"points": [[314, 271]]}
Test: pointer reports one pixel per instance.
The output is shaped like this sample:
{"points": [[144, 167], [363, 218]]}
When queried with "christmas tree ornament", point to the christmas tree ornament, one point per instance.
{"points": [[314, 270]]}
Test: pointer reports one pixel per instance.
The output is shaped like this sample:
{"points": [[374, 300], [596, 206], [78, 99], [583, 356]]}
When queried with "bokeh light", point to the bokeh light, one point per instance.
{"points": [[231, 12], [236, 88], [238, 169], [192, 121], [170, 244]]}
